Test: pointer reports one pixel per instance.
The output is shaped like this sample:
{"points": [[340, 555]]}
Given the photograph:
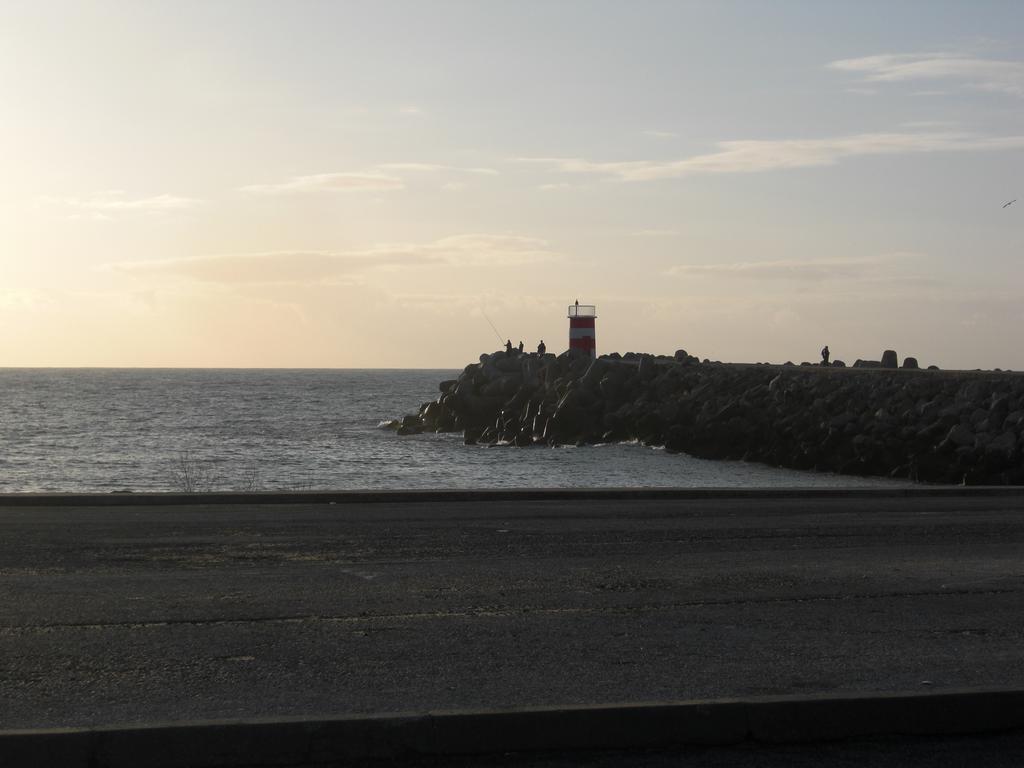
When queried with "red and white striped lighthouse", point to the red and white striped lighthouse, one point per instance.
{"points": [[581, 328]]}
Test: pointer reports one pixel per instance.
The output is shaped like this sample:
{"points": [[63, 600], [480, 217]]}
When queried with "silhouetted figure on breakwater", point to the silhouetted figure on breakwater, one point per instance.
{"points": [[824, 355], [541, 348], [520, 346], [508, 347]]}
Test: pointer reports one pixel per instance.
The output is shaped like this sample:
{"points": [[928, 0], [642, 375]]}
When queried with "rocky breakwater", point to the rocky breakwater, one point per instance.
{"points": [[927, 425]]}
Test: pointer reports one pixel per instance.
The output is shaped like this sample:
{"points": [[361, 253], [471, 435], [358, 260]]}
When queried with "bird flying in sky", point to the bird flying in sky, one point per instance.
{"points": [[1007, 205]]}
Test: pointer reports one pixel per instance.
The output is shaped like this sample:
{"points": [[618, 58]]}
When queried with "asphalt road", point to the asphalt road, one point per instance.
{"points": [[139, 614]]}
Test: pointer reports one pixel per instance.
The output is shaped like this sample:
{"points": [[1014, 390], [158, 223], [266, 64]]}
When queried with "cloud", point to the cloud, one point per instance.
{"points": [[410, 110], [755, 156], [25, 300], [411, 167], [90, 216], [864, 269], [308, 267], [105, 206], [434, 167], [581, 165], [380, 178], [470, 250], [656, 233], [917, 124], [327, 182], [985, 74], [661, 134], [275, 267]]}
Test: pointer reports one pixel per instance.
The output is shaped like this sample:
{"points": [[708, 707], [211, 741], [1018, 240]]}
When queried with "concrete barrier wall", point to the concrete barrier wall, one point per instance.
{"points": [[493, 495], [312, 741]]}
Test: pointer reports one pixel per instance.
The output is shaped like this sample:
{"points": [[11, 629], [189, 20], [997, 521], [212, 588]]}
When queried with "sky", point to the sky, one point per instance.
{"points": [[376, 184]]}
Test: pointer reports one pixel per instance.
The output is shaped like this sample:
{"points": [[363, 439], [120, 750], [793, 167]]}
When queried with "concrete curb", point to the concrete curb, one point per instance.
{"points": [[492, 495], [308, 741]]}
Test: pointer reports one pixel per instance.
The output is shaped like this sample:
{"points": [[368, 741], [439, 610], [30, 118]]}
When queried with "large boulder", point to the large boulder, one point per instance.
{"points": [[889, 359], [411, 425], [959, 436]]}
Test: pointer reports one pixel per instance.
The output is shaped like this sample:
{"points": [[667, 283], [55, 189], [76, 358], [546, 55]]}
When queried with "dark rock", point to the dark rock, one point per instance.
{"points": [[910, 362], [411, 425], [960, 436], [646, 368], [889, 359], [947, 428]]}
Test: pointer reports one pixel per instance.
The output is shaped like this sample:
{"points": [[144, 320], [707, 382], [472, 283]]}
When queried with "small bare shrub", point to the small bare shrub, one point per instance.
{"points": [[250, 481], [191, 475]]}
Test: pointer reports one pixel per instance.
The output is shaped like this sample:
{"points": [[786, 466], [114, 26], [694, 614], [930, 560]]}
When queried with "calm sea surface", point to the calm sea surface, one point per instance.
{"points": [[144, 429]]}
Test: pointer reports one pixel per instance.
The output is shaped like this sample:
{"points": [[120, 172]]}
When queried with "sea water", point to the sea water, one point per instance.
{"points": [[102, 430]]}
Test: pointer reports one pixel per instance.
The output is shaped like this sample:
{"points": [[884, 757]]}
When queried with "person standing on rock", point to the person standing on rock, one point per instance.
{"points": [[824, 356], [541, 348], [520, 346], [508, 347]]}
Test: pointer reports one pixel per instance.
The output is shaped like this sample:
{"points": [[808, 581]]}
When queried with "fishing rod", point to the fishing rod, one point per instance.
{"points": [[492, 326]]}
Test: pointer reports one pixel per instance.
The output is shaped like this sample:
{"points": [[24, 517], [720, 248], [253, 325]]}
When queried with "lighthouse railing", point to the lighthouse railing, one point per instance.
{"points": [[582, 310]]}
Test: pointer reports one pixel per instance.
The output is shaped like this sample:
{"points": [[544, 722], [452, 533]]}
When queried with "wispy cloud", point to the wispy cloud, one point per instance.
{"points": [[379, 178], [803, 270], [656, 233], [470, 250], [274, 267], [327, 182], [918, 124], [21, 301], [985, 74], [304, 267], [107, 205], [435, 167], [661, 134], [410, 110], [754, 156], [581, 165]]}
